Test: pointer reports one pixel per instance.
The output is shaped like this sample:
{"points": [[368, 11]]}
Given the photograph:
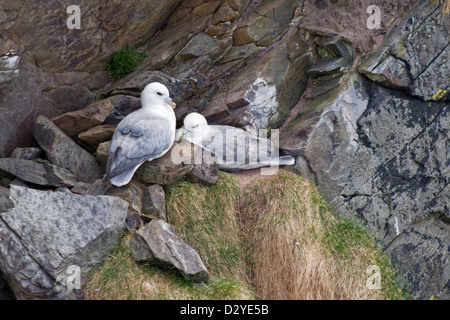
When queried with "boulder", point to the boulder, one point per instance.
{"points": [[157, 242], [41, 173], [62, 151], [46, 234]]}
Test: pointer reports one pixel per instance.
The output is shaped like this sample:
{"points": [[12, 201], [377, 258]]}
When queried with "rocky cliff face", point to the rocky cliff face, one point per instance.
{"points": [[367, 107]]}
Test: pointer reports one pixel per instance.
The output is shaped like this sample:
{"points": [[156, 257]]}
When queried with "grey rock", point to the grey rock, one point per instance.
{"points": [[196, 47], [415, 57], [132, 192], [154, 202], [47, 232], [380, 155], [409, 248], [62, 151], [328, 66], [98, 188], [157, 242], [389, 71], [269, 20], [27, 153], [5, 202], [41, 173]]}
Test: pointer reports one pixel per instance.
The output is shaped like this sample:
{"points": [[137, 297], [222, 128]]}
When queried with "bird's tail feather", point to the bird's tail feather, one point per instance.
{"points": [[123, 178], [286, 160]]}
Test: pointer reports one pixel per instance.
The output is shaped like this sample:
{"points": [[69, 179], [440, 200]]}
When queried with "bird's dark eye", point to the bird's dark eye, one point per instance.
{"points": [[159, 93]]}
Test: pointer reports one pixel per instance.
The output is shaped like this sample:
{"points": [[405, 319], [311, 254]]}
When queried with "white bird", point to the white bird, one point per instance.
{"points": [[143, 135], [235, 148]]}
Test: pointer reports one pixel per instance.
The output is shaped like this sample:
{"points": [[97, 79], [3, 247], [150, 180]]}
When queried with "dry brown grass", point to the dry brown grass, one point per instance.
{"points": [[445, 5], [205, 217], [286, 226], [275, 238], [122, 278]]}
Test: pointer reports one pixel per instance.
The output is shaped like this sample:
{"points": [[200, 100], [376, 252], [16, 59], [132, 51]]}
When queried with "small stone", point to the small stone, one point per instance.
{"points": [[27, 153], [154, 202], [102, 153], [132, 192], [157, 242]]}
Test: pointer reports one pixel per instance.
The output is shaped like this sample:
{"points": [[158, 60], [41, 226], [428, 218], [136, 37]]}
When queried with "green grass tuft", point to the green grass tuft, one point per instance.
{"points": [[124, 61]]}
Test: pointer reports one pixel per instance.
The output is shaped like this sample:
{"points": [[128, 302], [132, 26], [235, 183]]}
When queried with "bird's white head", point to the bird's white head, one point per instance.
{"points": [[194, 125], [194, 120], [156, 93]]}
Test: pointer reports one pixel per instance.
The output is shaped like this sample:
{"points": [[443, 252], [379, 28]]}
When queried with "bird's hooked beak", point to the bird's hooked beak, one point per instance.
{"points": [[171, 103], [185, 132]]}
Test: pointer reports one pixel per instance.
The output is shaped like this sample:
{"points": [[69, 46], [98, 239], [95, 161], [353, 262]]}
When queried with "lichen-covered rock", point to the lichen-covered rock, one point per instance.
{"points": [[416, 55], [381, 155]]}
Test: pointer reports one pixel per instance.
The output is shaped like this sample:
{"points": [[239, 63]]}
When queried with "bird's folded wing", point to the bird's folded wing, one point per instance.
{"points": [[136, 140]]}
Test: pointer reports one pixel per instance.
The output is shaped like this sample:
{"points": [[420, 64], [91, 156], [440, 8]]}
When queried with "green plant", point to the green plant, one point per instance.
{"points": [[124, 61]]}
